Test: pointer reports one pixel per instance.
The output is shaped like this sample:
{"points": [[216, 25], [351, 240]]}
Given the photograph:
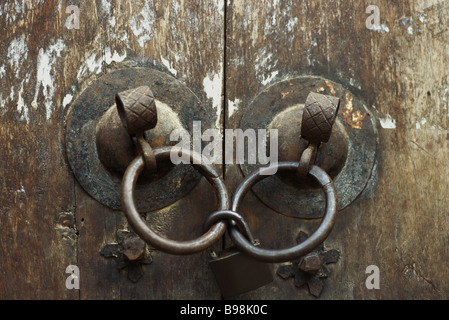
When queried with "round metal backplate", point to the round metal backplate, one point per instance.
{"points": [[348, 157], [91, 105]]}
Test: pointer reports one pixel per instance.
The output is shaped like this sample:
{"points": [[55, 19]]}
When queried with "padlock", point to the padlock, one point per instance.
{"points": [[237, 273]]}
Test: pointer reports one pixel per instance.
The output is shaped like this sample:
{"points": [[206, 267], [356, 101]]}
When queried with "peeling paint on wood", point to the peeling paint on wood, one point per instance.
{"points": [[47, 221], [400, 222]]}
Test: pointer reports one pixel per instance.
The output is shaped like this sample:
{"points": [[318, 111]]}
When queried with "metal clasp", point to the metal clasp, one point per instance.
{"points": [[318, 118], [137, 110]]}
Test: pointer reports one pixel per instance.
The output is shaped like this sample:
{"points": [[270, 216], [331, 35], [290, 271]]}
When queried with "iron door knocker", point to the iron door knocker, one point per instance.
{"points": [[137, 112]]}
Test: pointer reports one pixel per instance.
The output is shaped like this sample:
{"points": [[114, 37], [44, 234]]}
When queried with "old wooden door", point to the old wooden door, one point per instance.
{"points": [[388, 57]]}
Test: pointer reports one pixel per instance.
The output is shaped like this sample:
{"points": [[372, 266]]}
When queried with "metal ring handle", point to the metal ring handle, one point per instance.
{"points": [[235, 220], [145, 232], [283, 255]]}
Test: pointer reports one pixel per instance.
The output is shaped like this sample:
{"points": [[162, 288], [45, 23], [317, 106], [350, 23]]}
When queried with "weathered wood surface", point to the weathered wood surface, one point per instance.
{"points": [[48, 222], [399, 70]]}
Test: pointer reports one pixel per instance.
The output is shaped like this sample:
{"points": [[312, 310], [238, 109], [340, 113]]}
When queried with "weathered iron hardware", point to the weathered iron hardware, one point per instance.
{"points": [[131, 121], [300, 249], [311, 269], [142, 229], [130, 253], [99, 148], [216, 230], [311, 263], [236, 273], [137, 110], [318, 117], [349, 157]]}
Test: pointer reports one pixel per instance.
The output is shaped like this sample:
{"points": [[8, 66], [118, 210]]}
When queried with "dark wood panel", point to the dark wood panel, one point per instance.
{"points": [[47, 221], [170, 36], [399, 222]]}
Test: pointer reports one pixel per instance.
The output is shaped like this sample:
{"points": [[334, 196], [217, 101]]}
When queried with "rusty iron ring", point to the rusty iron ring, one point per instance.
{"points": [[102, 179], [354, 144], [283, 255], [235, 220], [145, 232]]}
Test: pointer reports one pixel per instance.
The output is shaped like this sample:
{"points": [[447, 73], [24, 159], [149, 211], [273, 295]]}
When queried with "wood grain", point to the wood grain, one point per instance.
{"points": [[399, 223], [226, 56], [47, 221]]}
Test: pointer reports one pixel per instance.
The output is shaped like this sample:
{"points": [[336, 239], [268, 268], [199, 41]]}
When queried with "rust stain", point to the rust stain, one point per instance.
{"points": [[322, 87], [285, 94], [353, 118], [330, 85]]}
